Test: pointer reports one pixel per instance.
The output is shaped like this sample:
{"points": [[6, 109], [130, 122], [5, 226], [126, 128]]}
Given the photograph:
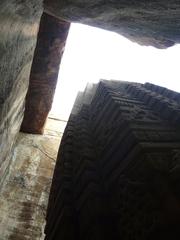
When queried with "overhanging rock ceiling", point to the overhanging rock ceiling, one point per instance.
{"points": [[155, 22]]}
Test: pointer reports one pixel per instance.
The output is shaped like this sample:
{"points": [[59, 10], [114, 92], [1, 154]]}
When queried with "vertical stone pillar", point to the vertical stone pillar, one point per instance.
{"points": [[44, 73]]}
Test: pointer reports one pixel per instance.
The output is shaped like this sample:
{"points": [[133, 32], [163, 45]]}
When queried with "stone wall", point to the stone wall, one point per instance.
{"points": [[19, 23], [25, 193]]}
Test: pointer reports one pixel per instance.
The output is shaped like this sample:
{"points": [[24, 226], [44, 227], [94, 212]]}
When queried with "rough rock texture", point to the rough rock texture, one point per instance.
{"points": [[24, 197], [44, 73], [148, 22], [19, 22], [117, 174]]}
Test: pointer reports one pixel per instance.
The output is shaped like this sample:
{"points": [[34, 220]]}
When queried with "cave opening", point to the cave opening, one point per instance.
{"points": [[92, 54]]}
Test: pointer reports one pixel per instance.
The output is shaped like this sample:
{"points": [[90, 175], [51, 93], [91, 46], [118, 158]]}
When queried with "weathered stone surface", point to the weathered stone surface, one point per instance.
{"points": [[54, 127], [19, 22], [44, 73], [24, 196], [118, 167], [153, 22]]}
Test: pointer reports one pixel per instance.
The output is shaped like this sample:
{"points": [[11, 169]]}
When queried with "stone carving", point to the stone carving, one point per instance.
{"points": [[117, 173]]}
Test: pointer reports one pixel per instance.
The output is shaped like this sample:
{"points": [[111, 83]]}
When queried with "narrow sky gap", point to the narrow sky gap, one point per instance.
{"points": [[92, 54]]}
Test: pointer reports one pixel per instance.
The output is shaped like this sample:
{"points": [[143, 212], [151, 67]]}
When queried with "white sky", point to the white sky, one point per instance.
{"points": [[92, 54]]}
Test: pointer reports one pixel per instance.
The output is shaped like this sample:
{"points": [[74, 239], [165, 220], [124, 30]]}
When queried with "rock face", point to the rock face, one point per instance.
{"points": [[118, 166], [19, 22], [24, 197], [44, 73], [153, 22]]}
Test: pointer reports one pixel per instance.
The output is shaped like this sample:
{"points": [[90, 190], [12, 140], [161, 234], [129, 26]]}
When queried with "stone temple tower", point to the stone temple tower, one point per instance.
{"points": [[118, 169]]}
